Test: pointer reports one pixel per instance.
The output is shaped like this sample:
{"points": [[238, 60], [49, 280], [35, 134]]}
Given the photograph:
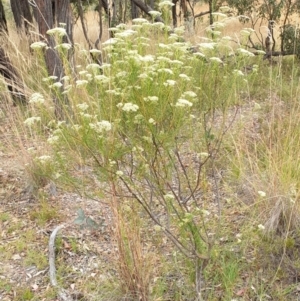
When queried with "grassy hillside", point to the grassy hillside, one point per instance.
{"points": [[174, 171]]}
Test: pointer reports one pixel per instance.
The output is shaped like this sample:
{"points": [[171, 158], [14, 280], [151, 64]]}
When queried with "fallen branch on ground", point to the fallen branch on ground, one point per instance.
{"points": [[63, 294]]}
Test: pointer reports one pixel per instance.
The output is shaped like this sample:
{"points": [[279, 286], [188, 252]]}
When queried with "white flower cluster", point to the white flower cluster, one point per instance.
{"points": [[32, 120], [151, 98], [57, 31], [66, 46], [165, 4], [128, 107], [181, 102], [38, 45], [101, 126], [170, 82], [43, 159], [83, 106], [37, 98]]}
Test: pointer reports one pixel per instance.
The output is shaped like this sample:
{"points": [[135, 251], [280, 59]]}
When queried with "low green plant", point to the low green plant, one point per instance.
{"points": [[44, 212], [24, 294]]}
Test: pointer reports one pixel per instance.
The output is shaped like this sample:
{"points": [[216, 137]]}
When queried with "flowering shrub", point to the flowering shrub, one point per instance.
{"points": [[148, 120]]}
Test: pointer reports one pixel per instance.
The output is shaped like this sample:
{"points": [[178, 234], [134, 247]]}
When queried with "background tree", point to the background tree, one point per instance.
{"points": [[22, 15], [3, 23], [10, 74]]}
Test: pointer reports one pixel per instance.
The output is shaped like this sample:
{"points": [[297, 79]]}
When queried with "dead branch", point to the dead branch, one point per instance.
{"points": [[63, 294]]}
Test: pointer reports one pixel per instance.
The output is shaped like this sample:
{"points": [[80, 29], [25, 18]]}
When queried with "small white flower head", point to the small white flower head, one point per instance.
{"points": [[226, 38], [83, 106], [219, 25], [257, 106], [57, 31], [119, 173], [113, 29], [154, 13], [245, 33], [184, 77], [50, 78], [203, 155], [66, 78], [140, 20], [121, 26], [158, 25], [95, 51], [216, 60], [102, 78], [260, 52], [113, 92], [125, 34], [101, 126], [122, 74], [66, 46], [38, 45], [224, 9], [209, 46], [169, 197], [137, 27], [110, 42], [205, 212], [67, 89], [165, 4], [261, 227], [32, 120], [179, 30], [147, 58], [189, 94], [112, 162], [238, 72], [157, 228], [56, 85], [80, 83], [37, 98], [151, 98], [218, 14], [86, 115], [105, 66], [53, 139], [82, 72], [214, 33], [255, 68], [93, 68], [199, 54], [165, 70], [152, 121], [181, 102], [138, 118], [261, 193], [170, 82], [44, 159], [245, 52], [130, 107]]}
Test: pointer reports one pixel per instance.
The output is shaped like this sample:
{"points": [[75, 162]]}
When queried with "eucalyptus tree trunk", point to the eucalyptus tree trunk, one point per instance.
{"points": [[174, 13], [134, 10], [22, 15], [3, 23], [46, 17], [10, 74], [62, 13]]}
